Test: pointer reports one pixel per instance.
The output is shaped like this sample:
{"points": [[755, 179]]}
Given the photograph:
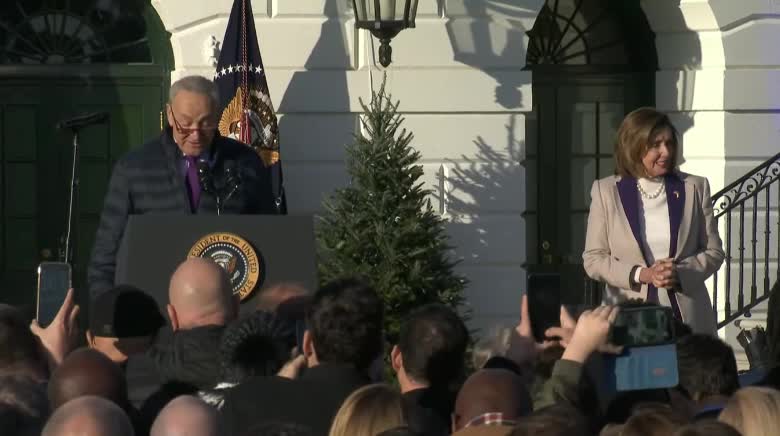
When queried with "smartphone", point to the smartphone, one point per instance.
{"points": [[544, 302], [54, 280], [643, 326]]}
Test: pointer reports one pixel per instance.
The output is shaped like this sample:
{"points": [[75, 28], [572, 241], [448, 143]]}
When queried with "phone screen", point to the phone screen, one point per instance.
{"points": [[643, 326], [544, 302], [54, 280]]}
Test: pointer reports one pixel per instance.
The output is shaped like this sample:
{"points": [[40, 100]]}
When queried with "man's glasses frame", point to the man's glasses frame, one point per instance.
{"points": [[187, 131]]}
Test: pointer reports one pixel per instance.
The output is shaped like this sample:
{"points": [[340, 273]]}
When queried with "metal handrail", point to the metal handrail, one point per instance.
{"points": [[742, 194]]}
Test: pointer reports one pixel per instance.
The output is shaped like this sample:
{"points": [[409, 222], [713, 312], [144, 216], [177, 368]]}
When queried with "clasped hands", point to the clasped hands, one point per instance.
{"points": [[662, 274]]}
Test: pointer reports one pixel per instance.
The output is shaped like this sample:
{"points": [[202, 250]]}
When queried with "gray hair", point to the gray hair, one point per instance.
{"points": [[496, 343], [198, 85]]}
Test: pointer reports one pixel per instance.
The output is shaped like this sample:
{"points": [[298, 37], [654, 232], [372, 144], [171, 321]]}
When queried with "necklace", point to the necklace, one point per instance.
{"points": [[652, 196]]}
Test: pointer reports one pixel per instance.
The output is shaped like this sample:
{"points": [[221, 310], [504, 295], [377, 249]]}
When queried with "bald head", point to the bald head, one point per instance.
{"points": [[200, 294], [87, 372], [492, 391], [88, 416], [186, 416]]}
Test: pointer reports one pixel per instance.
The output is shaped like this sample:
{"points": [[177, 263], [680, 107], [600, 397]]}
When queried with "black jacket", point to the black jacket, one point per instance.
{"points": [[178, 363], [189, 356], [428, 411], [149, 179], [312, 400]]}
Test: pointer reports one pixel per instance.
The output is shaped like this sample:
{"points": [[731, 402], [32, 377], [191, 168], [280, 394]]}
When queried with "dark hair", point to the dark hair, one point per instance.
{"points": [[433, 343], [633, 140], [21, 351], [277, 429], [257, 344], [625, 404], [345, 320], [23, 406], [706, 366]]}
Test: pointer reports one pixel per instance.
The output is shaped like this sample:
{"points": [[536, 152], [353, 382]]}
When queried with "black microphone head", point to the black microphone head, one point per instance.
{"points": [[204, 175], [203, 167], [83, 121], [232, 176]]}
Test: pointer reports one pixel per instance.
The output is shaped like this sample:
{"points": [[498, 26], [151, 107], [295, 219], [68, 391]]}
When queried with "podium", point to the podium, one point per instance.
{"points": [[154, 245]]}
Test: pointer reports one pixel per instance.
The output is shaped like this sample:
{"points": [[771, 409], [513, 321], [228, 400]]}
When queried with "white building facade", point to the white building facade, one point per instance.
{"points": [[512, 104], [466, 93]]}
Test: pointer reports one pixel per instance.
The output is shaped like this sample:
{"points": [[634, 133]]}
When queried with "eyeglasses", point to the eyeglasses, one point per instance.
{"points": [[186, 131]]}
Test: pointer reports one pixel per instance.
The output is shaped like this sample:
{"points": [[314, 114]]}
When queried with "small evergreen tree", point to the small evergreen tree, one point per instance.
{"points": [[382, 227]]}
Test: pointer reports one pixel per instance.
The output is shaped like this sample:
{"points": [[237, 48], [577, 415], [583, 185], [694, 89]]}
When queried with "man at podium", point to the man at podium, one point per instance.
{"points": [[188, 169]]}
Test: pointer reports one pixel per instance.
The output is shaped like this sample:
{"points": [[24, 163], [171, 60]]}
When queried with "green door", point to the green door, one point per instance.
{"points": [[59, 60], [36, 166], [593, 61], [573, 127]]}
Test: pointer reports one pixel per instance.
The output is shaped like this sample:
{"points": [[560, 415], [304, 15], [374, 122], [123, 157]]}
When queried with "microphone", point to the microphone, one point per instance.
{"points": [[204, 176], [83, 121], [232, 181], [232, 178]]}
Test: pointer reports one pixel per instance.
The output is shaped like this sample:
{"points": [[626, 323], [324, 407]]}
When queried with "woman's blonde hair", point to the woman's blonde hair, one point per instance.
{"points": [[368, 411], [754, 411], [634, 138]]}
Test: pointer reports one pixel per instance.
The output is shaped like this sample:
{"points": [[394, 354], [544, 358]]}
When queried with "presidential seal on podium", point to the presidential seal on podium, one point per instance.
{"points": [[236, 256]]}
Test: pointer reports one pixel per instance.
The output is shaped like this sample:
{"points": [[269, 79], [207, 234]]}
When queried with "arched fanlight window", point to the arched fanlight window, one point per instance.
{"points": [[591, 33], [73, 32]]}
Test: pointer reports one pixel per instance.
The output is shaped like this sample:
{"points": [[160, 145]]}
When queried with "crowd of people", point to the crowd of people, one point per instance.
{"points": [[318, 364]]}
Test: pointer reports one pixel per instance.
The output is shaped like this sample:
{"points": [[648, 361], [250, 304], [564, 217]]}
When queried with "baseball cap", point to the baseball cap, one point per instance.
{"points": [[124, 311]]}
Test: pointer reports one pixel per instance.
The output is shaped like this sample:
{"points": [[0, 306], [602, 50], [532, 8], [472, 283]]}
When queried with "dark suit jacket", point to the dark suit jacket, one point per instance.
{"points": [[150, 179], [312, 400], [428, 411]]}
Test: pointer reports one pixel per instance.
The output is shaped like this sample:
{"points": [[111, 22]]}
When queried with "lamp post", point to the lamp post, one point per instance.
{"points": [[385, 19]]}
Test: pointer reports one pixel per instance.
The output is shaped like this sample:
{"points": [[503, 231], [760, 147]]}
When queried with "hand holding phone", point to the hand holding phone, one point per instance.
{"points": [[61, 336]]}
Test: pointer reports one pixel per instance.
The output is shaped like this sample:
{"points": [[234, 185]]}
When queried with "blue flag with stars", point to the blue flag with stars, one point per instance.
{"points": [[246, 111]]}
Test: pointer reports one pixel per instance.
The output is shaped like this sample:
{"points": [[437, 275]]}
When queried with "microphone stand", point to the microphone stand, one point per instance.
{"points": [[74, 125], [67, 254]]}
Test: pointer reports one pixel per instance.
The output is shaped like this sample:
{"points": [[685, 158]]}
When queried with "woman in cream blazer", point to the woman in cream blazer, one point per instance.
{"points": [[651, 230]]}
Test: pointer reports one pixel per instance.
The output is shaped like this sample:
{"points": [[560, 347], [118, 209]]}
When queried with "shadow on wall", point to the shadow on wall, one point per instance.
{"points": [[679, 56], [483, 197], [315, 121], [482, 192], [477, 41]]}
